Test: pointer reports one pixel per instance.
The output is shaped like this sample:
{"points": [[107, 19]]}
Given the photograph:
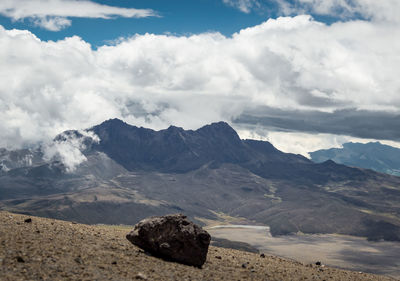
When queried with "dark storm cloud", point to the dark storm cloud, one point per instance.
{"points": [[350, 122]]}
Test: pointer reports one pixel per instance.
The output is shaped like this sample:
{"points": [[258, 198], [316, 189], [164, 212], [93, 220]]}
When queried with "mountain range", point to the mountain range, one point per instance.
{"points": [[130, 173], [373, 155]]}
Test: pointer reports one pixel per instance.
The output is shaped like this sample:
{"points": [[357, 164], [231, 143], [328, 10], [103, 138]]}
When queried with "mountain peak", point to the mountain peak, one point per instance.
{"points": [[219, 125], [373, 155], [173, 128], [368, 144], [329, 162], [220, 129], [113, 122]]}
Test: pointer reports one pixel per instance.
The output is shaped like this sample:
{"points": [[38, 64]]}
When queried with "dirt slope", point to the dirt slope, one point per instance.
{"points": [[47, 249]]}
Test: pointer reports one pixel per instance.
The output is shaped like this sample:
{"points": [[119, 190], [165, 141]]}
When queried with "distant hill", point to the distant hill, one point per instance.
{"points": [[208, 173], [373, 155]]}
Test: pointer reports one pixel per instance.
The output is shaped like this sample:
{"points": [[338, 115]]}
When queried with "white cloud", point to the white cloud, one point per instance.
{"points": [[54, 14], [52, 23], [303, 143], [295, 142], [383, 10], [69, 149], [156, 80], [243, 5]]}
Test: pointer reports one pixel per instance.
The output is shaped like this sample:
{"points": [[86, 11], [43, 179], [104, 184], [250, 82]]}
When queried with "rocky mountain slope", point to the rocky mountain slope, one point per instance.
{"points": [[207, 174], [48, 249], [374, 155]]}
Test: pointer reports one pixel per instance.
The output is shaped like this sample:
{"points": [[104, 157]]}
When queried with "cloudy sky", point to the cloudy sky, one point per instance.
{"points": [[303, 74]]}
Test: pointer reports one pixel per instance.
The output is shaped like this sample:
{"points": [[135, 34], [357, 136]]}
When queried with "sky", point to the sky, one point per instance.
{"points": [[302, 74]]}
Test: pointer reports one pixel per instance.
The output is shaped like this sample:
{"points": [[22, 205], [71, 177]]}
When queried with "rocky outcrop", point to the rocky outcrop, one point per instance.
{"points": [[172, 237]]}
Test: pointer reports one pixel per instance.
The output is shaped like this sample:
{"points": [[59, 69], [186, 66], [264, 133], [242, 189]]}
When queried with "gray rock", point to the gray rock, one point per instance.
{"points": [[172, 237]]}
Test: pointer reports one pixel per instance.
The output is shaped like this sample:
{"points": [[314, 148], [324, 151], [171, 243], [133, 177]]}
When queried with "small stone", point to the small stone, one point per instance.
{"points": [[218, 257], [262, 255], [318, 263], [244, 265], [141, 276], [165, 245], [20, 259], [78, 260], [28, 220], [114, 262]]}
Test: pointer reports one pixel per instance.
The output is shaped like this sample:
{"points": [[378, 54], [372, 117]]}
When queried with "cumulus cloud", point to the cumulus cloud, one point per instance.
{"points": [[54, 14], [68, 148], [292, 65]]}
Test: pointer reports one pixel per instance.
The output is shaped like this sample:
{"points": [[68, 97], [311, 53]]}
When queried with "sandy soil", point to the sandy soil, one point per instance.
{"points": [[47, 249]]}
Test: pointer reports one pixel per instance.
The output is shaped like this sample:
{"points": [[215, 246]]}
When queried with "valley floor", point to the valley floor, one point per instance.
{"points": [[343, 251], [47, 249]]}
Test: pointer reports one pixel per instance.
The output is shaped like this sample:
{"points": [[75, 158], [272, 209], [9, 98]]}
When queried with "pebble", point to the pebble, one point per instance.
{"points": [[28, 220], [218, 257], [20, 259], [262, 255], [244, 265], [141, 276]]}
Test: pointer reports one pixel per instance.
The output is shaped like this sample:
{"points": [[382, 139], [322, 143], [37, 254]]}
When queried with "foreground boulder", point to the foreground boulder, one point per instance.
{"points": [[172, 237]]}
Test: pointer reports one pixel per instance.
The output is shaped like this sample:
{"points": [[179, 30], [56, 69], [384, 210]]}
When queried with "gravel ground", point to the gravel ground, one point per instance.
{"points": [[47, 249]]}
